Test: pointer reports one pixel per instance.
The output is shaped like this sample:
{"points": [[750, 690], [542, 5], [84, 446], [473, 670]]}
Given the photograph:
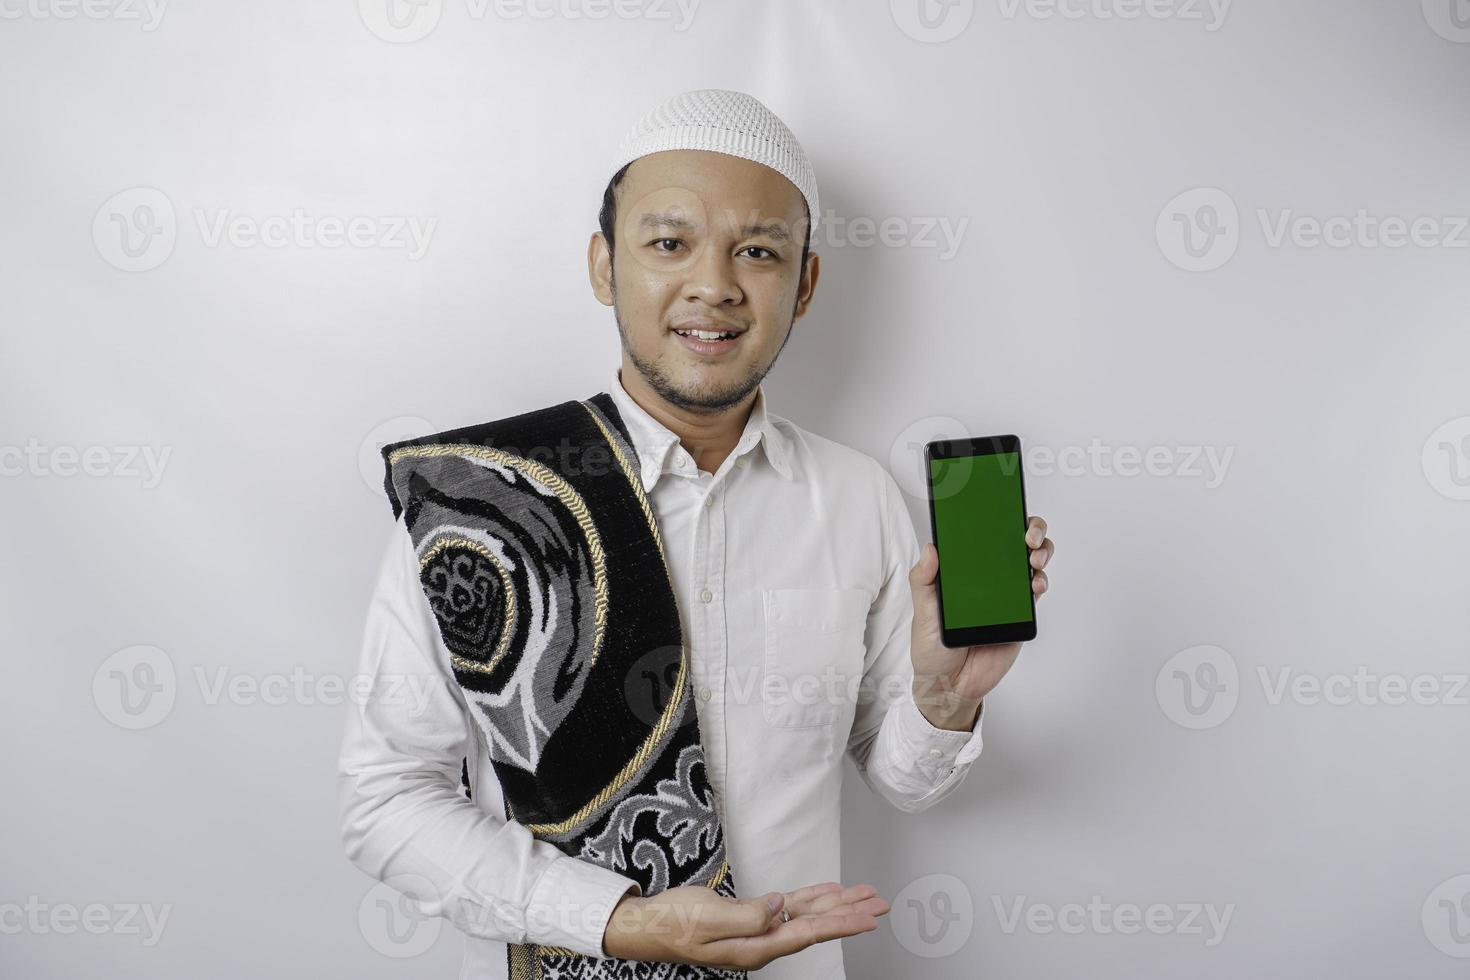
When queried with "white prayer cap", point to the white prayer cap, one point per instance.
{"points": [[726, 122]]}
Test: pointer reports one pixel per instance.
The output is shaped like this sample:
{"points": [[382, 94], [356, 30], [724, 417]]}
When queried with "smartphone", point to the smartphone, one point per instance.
{"points": [[977, 516]]}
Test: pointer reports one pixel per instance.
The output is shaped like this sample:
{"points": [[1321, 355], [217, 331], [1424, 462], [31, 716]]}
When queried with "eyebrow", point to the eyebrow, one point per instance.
{"points": [[676, 219]]}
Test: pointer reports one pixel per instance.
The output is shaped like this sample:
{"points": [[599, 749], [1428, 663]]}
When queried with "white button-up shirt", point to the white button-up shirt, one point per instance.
{"points": [[790, 569]]}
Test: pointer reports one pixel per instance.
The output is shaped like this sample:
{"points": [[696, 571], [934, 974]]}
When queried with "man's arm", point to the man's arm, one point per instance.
{"points": [[404, 816], [900, 754]]}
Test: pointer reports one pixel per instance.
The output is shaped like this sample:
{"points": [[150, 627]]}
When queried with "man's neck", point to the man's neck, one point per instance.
{"points": [[708, 437]]}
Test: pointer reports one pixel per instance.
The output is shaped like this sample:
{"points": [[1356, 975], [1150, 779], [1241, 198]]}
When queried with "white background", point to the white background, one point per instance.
{"points": [[1071, 313]]}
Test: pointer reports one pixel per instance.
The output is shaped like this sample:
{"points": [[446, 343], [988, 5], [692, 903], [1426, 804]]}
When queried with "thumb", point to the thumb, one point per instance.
{"points": [[763, 910], [921, 576]]}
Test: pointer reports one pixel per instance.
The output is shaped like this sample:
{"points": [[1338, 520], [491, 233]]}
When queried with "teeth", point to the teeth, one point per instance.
{"points": [[703, 334]]}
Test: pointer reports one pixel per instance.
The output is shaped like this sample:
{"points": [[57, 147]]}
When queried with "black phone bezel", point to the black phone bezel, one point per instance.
{"points": [[966, 636]]}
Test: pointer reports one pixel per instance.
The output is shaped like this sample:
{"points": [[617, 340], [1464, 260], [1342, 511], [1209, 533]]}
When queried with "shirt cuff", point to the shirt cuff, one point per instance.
{"points": [[936, 749], [572, 903]]}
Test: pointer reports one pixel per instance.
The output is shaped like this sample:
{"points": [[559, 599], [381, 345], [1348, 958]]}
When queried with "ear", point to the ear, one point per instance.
{"points": [[600, 269], [807, 288]]}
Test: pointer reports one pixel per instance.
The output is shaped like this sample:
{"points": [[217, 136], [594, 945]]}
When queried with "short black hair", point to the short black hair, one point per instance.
{"points": [[608, 217]]}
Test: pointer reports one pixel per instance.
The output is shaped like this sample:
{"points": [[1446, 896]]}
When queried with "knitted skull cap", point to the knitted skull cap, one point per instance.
{"points": [[723, 121]]}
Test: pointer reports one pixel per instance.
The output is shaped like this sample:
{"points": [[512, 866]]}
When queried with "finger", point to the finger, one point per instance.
{"points": [[790, 937], [1035, 531], [873, 905], [837, 898], [799, 902], [1039, 583], [1040, 556]]}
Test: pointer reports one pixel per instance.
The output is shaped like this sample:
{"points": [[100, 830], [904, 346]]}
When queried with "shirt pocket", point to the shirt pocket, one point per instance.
{"points": [[814, 648]]}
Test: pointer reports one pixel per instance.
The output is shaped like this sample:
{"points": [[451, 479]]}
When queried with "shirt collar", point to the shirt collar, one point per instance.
{"points": [[653, 441]]}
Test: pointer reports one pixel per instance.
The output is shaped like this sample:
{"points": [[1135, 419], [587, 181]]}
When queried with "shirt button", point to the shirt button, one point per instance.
{"points": [[704, 694], [741, 462], [935, 753], [706, 595], [708, 499]]}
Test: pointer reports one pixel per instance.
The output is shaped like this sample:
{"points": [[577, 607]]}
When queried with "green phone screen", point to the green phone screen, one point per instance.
{"points": [[980, 523]]}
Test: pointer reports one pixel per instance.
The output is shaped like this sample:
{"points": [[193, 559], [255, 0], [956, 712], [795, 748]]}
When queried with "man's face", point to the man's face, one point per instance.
{"points": [[708, 241]]}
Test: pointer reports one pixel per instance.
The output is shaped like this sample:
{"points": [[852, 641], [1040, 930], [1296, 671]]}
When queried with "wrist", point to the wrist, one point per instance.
{"points": [[944, 708], [623, 927]]}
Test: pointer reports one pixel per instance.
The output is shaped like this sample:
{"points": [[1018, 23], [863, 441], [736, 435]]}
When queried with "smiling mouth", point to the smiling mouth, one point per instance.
{"points": [[709, 342]]}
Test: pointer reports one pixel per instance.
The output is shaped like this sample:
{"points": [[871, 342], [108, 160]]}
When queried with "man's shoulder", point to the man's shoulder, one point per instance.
{"points": [[535, 433]]}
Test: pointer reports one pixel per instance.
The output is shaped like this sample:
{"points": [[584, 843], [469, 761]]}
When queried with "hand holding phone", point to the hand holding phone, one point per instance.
{"points": [[977, 516]]}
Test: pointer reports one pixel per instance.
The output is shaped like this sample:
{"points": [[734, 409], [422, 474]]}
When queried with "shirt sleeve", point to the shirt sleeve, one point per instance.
{"points": [[404, 817], [897, 751]]}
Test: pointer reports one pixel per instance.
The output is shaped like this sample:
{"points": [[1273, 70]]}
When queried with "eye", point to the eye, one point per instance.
{"points": [[659, 241], [761, 248]]}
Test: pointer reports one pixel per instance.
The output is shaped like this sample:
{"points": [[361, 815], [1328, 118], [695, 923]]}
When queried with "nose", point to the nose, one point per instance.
{"points": [[711, 278]]}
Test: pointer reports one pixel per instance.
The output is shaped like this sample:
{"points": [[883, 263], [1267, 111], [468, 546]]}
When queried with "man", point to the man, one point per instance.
{"points": [[805, 604]]}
